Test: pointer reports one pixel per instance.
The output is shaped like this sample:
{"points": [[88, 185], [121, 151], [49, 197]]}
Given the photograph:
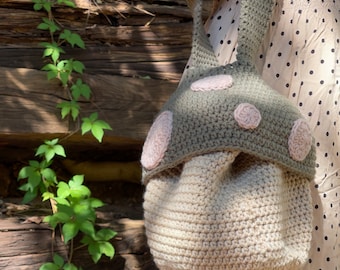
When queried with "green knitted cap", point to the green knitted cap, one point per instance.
{"points": [[230, 107]]}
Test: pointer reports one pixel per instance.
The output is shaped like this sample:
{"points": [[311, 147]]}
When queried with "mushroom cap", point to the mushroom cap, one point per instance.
{"points": [[229, 108]]}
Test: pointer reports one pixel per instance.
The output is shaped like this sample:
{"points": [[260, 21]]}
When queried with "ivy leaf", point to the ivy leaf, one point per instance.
{"points": [[63, 190], [68, 107], [64, 70], [49, 149], [52, 71], [98, 245], [47, 196], [105, 234], [107, 249], [97, 130], [47, 6], [80, 89], [95, 203], [66, 209], [49, 175], [53, 50], [69, 3], [33, 176], [78, 66], [70, 230], [76, 181], [26, 187], [95, 126], [42, 149], [63, 215], [34, 179], [62, 201], [77, 189], [39, 4], [94, 251], [83, 211], [30, 196], [87, 227], [70, 266], [59, 150], [72, 38], [49, 266], [58, 260], [48, 24]]}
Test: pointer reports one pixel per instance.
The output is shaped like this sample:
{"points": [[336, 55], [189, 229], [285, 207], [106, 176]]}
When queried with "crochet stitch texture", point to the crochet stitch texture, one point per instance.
{"points": [[225, 213], [227, 164]]}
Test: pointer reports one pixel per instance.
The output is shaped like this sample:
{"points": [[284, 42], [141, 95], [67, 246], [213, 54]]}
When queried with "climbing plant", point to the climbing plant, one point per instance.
{"points": [[73, 207]]}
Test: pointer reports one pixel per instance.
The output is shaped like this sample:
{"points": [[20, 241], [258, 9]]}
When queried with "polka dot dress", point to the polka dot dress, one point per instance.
{"points": [[300, 59]]}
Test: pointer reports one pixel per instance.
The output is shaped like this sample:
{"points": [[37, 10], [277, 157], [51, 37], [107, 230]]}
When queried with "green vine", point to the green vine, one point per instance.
{"points": [[73, 208]]}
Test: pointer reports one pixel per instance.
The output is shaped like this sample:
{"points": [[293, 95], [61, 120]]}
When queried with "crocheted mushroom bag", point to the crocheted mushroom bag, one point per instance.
{"points": [[227, 164]]}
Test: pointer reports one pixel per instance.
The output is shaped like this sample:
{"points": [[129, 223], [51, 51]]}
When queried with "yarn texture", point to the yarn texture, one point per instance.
{"points": [[219, 212], [227, 165], [203, 122]]}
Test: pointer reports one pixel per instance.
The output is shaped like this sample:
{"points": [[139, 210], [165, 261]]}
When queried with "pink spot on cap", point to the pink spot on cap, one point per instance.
{"points": [[212, 83], [157, 141], [300, 140], [247, 116]]}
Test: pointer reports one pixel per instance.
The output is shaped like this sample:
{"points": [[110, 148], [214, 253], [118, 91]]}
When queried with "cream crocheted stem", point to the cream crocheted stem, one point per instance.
{"points": [[224, 211]]}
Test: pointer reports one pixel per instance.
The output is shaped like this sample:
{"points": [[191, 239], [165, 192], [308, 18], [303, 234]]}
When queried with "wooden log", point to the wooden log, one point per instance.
{"points": [[21, 32], [156, 62], [174, 7], [28, 103], [145, 43], [105, 170], [26, 242], [26, 245]]}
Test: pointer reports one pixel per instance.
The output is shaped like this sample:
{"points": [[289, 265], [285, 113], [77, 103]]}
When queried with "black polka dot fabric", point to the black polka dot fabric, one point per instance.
{"points": [[300, 59]]}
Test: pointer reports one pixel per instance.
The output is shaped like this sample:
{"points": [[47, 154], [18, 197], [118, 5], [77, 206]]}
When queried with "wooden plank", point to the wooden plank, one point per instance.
{"points": [[129, 105], [157, 62], [23, 24], [171, 34], [148, 55], [173, 7], [27, 106], [28, 245]]}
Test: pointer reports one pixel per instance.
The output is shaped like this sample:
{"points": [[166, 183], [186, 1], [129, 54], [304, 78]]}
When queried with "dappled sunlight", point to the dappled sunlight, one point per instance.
{"points": [[29, 106], [15, 80]]}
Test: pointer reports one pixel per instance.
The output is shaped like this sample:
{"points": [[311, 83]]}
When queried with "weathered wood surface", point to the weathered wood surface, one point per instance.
{"points": [[135, 54], [28, 242], [27, 245], [28, 102], [134, 58]]}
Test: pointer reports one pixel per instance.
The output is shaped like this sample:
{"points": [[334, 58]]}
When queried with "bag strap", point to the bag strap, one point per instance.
{"points": [[202, 54], [254, 18]]}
